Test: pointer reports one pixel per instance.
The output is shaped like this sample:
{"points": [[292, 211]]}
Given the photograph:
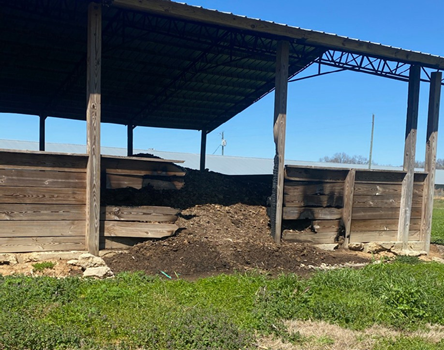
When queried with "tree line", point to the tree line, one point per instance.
{"points": [[344, 158]]}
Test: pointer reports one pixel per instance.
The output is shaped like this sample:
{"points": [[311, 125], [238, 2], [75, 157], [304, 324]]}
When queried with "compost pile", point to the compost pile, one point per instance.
{"points": [[223, 227]]}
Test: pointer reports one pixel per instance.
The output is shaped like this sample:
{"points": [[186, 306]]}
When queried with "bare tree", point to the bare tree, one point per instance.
{"points": [[439, 163], [345, 159]]}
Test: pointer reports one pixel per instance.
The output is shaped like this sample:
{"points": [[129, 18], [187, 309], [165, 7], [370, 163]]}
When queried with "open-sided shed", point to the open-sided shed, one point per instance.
{"points": [[165, 64]]}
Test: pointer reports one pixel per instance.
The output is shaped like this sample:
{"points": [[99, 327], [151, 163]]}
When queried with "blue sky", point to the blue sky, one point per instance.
{"points": [[326, 114]]}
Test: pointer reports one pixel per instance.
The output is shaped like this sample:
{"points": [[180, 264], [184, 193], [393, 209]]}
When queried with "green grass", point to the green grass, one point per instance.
{"points": [[438, 222], [135, 311], [43, 266]]}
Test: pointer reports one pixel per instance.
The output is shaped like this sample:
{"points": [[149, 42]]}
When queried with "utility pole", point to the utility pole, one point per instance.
{"points": [[371, 143], [223, 143]]}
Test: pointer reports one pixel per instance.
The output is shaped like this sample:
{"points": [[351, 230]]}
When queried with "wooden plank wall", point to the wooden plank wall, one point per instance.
{"points": [[376, 202], [42, 202], [122, 227], [141, 172], [376, 205], [372, 199], [314, 196]]}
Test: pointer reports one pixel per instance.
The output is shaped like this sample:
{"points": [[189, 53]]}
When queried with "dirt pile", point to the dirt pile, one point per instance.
{"points": [[224, 227]]}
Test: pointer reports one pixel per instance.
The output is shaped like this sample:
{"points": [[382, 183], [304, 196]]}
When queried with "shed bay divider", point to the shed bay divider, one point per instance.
{"points": [[316, 196], [342, 205], [43, 203]]}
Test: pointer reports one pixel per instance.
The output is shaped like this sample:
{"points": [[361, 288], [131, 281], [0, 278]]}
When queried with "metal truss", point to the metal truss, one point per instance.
{"points": [[366, 64]]}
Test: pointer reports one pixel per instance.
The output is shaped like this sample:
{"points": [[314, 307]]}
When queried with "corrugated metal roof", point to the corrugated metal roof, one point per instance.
{"points": [[228, 165], [358, 41]]}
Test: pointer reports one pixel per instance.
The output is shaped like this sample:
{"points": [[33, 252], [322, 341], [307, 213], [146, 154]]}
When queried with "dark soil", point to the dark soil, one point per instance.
{"points": [[224, 228]]}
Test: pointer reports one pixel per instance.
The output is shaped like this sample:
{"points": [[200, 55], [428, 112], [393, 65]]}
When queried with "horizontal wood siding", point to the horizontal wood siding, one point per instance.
{"points": [[125, 226], [376, 192], [315, 196], [141, 172], [42, 202]]}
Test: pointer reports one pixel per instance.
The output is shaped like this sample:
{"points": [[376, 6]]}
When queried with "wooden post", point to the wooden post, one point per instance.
{"points": [[280, 116], [203, 149], [409, 156], [42, 133], [349, 190], [93, 117], [430, 158], [130, 140]]}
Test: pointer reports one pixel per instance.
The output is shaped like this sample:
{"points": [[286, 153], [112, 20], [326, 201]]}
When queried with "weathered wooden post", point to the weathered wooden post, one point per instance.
{"points": [[130, 140], [430, 158], [203, 149], [42, 132], [280, 116], [409, 156], [93, 117]]}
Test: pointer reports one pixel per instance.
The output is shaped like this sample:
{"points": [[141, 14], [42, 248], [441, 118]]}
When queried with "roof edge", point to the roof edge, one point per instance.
{"points": [[309, 37]]}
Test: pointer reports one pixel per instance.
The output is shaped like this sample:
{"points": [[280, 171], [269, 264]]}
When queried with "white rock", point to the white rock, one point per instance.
{"points": [[98, 272], [439, 260], [8, 259], [328, 247], [88, 260], [356, 246], [374, 247]]}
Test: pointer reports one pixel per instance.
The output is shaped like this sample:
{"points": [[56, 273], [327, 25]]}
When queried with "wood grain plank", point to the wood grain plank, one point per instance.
{"points": [[380, 236], [143, 213], [42, 161], [37, 195], [165, 183], [373, 236], [41, 244], [137, 229], [119, 242], [377, 189], [323, 226], [294, 213], [379, 176], [376, 201], [138, 181], [123, 181], [41, 178], [41, 228], [313, 201], [377, 213], [315, 174], [140, 167], [313, 188], [381, 225], [304, 237], [41, 212]]}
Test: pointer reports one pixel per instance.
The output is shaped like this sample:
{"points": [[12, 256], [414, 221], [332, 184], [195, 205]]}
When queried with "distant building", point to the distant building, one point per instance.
{"points": [[229, 165]]}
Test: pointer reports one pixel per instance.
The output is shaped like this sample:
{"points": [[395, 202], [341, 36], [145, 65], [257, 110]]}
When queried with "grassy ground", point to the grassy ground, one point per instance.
{"points": [[387, 306], [438, 222], [134, 311]]}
